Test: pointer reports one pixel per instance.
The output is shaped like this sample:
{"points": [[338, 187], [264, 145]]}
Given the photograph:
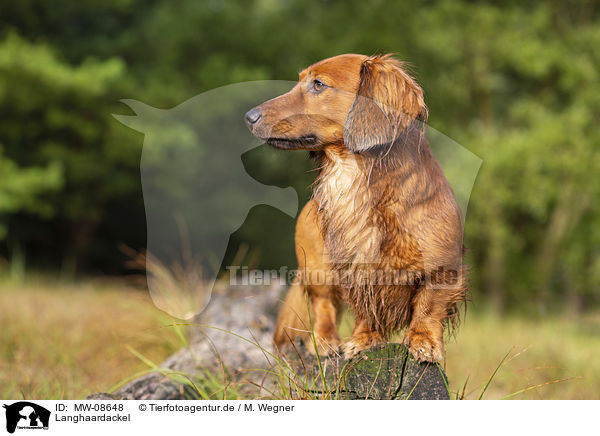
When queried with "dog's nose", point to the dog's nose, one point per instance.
{"points": [[252, 116]]}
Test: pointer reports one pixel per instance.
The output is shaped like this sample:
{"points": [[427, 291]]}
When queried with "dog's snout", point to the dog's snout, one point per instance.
{"points": [[252, 116]]}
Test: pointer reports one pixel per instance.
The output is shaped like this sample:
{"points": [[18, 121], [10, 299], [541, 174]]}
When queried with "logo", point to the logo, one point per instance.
{"points": [[26, 415], [198, 189]]}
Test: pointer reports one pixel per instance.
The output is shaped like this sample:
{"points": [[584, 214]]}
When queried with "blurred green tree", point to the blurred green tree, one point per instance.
{"points": [[516, 83], [57, 116]]}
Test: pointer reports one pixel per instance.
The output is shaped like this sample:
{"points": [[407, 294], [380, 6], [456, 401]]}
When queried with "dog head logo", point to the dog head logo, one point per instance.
{"points": [[26, 415], [197, 191]]}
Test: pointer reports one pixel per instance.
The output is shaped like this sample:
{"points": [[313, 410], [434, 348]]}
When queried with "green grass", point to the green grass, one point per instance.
{"points": [[67, 341], [542, 351], [518, 356]]}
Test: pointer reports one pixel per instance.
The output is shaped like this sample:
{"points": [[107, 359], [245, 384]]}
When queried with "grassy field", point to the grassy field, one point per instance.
{"points": [[70, 341], [542, 352]]}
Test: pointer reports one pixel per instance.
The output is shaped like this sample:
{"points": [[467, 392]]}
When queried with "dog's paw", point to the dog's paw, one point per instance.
{"points": [[423, 346], [351, 349], [359, 342]]}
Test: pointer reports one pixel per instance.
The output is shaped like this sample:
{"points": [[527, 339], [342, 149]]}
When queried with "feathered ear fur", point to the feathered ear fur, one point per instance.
{"points": [[388, 100]]}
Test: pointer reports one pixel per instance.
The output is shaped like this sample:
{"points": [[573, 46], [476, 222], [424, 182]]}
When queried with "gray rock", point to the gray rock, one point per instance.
{"points": [[384, 372], [390, 372], [225, 339]]}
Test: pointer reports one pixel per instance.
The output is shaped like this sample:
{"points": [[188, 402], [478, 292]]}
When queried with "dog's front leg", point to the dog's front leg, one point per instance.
{"points": [[424, 337], [362, 338], [324, 304]]}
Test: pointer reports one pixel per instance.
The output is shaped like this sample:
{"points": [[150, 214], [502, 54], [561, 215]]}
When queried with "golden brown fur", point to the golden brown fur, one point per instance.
{"points": [[381, 205]]}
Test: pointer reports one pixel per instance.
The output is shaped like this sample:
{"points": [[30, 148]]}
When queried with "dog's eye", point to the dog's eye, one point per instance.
{"points": [[318, 86]]}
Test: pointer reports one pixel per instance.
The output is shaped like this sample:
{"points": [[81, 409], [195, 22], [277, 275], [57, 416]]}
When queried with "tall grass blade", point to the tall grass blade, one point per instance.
{"points": [[494, 374]]}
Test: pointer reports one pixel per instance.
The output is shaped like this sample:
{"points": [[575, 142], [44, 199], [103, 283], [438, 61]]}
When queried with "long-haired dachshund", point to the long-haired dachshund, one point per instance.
{"points": [[382, 231]]}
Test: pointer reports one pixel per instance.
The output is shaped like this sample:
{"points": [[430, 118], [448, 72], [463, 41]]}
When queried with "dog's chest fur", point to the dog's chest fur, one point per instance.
{"points": [[363, 213], [345, 204], [378, 218]]}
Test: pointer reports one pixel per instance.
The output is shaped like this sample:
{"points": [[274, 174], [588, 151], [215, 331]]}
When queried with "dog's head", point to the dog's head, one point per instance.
{"points": [[353, 100]]}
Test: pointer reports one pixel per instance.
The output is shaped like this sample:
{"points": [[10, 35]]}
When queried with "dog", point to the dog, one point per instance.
{"points": [[380, 204]]}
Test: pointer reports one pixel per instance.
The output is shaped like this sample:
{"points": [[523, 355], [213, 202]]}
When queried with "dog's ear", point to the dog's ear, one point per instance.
{"points": [[387, 102]]}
